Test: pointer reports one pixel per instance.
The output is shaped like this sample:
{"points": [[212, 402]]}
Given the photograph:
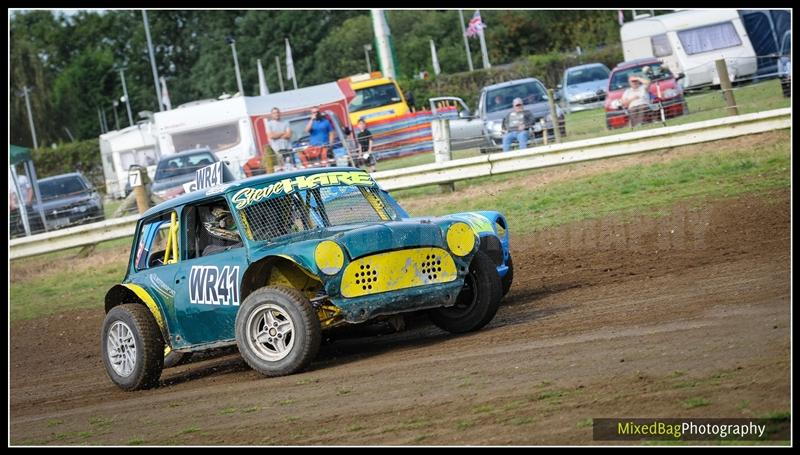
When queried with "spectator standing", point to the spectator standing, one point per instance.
{"points": [[280, 137], [364, 137], [321, 138], [516, 126]]}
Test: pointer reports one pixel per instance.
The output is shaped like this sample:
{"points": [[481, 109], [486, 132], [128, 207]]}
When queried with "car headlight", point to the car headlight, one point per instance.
{"points": [[670, 93], [537, 127], [460, 239], [329, 257], [616, 104]]}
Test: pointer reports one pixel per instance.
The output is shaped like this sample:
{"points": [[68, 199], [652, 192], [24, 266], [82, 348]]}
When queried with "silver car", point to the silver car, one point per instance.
{"points": [[484, 128], [584, 87]]}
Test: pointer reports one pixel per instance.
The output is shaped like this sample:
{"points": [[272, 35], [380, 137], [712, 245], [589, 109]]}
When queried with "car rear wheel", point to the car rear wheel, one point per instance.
{"points": [[477, 302], [277, 331], [132, 347]]}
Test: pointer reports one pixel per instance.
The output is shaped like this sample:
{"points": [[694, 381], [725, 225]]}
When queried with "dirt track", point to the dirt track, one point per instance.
{"points": [[687, 315]]}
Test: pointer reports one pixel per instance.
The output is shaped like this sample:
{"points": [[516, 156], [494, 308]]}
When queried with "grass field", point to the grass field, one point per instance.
{"points": [[703, 105], [58, 282]]}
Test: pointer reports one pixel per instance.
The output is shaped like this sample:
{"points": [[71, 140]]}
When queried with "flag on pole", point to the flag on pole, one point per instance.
{"points": [[262, 81], [475, 25], [290, 64], [165, 94], [620, 17]]}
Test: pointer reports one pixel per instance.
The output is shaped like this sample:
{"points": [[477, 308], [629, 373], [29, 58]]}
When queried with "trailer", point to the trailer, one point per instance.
{"points": [[690, 41], [235, 128], [119, 150]]}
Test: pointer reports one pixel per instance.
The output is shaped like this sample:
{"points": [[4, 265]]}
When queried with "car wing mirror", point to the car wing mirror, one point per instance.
{"points": [[465, 114], [679, 76]]}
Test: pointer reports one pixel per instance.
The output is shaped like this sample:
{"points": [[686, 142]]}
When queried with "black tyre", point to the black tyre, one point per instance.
{"points": [[174, 358], [509, 278], [277, 331], [132, 347], [477, 302]]}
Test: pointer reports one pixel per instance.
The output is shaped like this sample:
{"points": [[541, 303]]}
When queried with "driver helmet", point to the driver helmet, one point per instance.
{"points": [[220, 224]]}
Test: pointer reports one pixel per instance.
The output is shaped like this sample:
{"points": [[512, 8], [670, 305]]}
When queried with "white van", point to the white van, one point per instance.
{"points": [[690, 41]]}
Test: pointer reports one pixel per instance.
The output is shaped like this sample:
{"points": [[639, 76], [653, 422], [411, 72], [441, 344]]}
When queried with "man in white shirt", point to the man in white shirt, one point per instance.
{"points": [[636, 98], [280, 136]]}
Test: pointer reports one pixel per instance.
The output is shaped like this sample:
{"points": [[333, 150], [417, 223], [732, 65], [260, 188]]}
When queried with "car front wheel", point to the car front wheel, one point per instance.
{"points": [[132, 347], [277, 331], [477, 302]]}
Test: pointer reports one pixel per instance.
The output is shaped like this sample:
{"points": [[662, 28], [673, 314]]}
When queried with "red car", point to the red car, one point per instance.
{"points": [[665, 92]]}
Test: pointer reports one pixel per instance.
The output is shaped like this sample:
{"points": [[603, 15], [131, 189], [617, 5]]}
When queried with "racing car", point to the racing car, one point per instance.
{"points": [[270, 263]]}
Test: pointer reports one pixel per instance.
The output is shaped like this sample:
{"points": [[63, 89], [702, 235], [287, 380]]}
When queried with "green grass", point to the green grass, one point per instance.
{"points": [[721, 172], [695, 403], [703, 105]]}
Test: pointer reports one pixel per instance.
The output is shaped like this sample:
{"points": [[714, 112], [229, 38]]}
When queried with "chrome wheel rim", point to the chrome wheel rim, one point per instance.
{"points": [[121, 348], [270, 332]]}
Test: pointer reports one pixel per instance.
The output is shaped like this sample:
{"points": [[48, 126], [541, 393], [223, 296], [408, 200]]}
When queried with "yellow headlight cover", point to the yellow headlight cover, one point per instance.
{"points": [[329, 257], [460, 239]]}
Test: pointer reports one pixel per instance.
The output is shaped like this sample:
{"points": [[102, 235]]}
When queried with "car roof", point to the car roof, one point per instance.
{"points": [[188, 152], [54, 177], [511, 83], [637, 62], [587, 65], [195, 196]]}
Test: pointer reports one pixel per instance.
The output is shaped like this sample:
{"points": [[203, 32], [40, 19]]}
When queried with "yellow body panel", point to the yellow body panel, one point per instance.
{"points": [[151, 304], [397, 270]]}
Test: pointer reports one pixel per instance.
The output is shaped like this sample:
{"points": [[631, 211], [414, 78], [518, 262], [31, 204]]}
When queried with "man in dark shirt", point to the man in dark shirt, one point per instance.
{"points": [[364, 137], [516, 125]]}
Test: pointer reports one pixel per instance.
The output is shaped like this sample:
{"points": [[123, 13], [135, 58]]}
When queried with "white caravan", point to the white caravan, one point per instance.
{"points": [[123, 148], [690, 41]]}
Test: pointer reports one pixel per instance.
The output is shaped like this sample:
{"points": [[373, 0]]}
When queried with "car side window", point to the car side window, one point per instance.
{"points": [[211, 229], [158, 242]]}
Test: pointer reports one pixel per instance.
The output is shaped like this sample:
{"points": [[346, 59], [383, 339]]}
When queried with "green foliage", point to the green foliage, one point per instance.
{"points": [[71, 61]]}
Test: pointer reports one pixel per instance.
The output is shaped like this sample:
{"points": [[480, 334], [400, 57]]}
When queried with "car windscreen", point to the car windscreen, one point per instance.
{"points": [[270, 218], [654, 71], [372, 97], [61, 186], [182, 164], [501, 98], [584, 75]]}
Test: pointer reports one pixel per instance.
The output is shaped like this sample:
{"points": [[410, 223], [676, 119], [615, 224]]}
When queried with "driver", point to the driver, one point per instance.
{"points": [[221, 230]]}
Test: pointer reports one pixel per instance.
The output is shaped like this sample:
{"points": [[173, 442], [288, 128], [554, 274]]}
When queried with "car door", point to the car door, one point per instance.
{"points": [[466, 129], [208, 280]]}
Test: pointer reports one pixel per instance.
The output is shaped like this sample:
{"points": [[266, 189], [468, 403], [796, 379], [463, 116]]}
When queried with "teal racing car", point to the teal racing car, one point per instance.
{"points": [[272, 262]]}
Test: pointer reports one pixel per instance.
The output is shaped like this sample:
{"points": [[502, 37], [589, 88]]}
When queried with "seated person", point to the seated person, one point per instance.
{"points": [[516, 125], [636, 98], [221, 231]]}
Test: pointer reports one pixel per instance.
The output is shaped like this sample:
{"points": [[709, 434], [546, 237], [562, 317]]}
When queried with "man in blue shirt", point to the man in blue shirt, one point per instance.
{"points": [[322, 135]]}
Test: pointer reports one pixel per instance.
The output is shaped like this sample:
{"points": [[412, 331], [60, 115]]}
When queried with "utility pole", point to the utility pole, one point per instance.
{"points": [[116, 119], [152, 60], [232, 42], [100, 119], [29, 164], [127, 100], [466, 40]]}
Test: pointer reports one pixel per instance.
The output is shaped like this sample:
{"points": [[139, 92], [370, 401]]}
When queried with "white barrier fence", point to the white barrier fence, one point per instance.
{"points": [[462, 169]]}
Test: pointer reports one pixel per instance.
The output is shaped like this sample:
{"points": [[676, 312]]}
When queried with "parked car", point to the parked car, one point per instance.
{"points": [[173, 171], [67, 200], [666, 95], [271, 263], [584, 87], [494, 103]]}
